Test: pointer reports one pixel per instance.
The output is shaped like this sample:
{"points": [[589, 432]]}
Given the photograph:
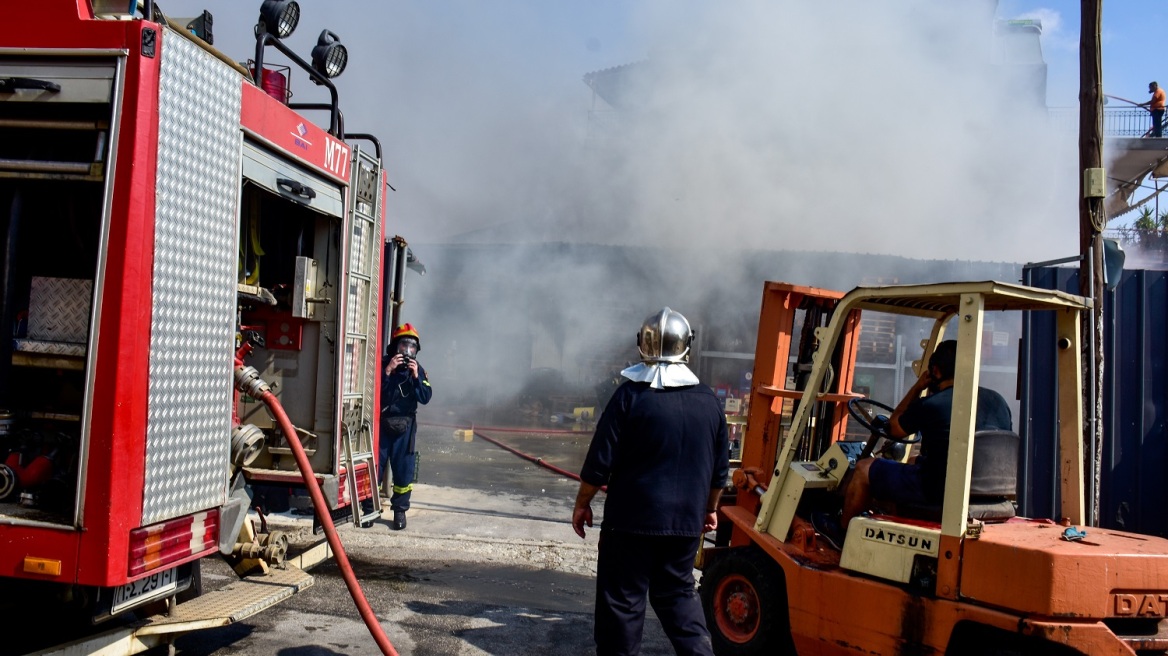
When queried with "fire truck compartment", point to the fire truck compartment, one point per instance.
{"points": [[56, 127], [289, 277]]}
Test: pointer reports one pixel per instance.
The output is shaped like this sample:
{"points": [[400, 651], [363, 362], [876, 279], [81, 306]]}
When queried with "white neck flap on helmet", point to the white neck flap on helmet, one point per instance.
{"points": [[661, 374]]}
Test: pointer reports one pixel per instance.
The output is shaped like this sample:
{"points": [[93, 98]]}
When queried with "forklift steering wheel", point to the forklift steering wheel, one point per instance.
{"points": [[860, 408]]}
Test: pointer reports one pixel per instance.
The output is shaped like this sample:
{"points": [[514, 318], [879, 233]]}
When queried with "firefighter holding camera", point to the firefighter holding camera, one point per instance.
{"points": [[403, 386]]}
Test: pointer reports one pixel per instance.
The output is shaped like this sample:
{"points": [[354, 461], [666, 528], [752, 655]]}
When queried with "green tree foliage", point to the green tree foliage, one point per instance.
{"points": [[1146, 219]]}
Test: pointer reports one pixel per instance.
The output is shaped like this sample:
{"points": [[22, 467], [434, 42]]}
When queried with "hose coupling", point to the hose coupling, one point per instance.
{"points": [[246, 444], [248, 381]]}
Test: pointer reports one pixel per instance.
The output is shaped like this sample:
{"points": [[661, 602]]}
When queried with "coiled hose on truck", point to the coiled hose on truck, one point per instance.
{"points": [[249, 382]]}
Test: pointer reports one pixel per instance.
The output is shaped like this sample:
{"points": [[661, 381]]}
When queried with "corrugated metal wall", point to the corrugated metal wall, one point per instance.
{"points": [[1134, 482]]}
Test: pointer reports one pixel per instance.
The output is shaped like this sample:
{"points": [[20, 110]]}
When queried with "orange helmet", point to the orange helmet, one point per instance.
{"points": [[405, 330]]}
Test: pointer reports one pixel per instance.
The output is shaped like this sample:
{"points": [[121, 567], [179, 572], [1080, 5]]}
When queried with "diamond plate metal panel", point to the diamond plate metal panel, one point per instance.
{"points": [[58, 309], [192, 325], [49, 348], [235, 601]]}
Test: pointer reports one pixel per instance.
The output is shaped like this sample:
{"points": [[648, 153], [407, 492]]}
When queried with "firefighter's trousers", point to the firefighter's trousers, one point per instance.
{"points": [[631, 567], [398, 452]]}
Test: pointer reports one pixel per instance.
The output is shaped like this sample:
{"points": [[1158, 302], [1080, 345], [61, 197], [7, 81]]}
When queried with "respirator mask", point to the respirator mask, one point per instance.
{"points": [[408, 349]]}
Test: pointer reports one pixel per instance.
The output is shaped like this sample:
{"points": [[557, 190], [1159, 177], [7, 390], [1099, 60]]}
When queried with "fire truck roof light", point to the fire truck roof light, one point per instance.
{"points": [[329, 57], [279, 17]]}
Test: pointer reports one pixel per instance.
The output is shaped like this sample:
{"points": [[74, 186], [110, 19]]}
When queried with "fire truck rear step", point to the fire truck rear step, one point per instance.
{"points": [[231, 603], [227, 605]]}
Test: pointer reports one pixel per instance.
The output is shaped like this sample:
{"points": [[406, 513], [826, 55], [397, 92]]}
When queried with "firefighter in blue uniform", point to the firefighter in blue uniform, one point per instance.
{"points": [[403, 386], [661, 447]]}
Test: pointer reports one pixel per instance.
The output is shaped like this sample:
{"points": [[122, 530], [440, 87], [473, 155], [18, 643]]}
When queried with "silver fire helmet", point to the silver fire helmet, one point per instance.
{"points": [[665, 336]]}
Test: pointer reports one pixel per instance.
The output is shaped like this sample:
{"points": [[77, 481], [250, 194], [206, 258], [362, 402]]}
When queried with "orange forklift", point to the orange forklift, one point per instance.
{"points": [[966, 576]]}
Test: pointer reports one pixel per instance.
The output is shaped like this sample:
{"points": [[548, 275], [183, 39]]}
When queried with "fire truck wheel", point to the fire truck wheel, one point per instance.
{"points": [[745, 599]]}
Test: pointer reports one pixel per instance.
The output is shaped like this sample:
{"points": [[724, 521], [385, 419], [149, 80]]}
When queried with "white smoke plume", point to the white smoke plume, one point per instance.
{"points": [[847, 126]]}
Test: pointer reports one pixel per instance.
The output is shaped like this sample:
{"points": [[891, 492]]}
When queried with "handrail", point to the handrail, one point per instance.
{"points": [[366, 137], [1134, 121]]}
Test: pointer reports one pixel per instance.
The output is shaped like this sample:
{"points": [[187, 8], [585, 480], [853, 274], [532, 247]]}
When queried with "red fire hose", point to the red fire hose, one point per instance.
{"points": [[538, 461], [506, 429], [525, 456], [322, 513]]}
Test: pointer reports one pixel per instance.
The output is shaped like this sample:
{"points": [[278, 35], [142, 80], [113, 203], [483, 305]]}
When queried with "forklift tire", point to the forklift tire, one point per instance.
{"points": [[744, 596]]}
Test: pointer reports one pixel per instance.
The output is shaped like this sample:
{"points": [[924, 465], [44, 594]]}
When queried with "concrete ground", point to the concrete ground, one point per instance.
{"points": [[488, 564]]}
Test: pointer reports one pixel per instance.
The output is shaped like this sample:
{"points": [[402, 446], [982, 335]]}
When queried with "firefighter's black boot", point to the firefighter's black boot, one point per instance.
{"points": [[399, 520]]}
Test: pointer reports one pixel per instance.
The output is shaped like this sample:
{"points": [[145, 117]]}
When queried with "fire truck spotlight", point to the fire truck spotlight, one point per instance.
{"points": [[279, 17], [329, 57]]}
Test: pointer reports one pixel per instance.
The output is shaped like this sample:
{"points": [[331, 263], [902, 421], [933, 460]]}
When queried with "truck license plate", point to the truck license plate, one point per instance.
{"points": [[145, 589]]}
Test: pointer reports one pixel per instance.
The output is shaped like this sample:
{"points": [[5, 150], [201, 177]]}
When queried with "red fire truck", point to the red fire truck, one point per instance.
{"points": [[173, 230]]}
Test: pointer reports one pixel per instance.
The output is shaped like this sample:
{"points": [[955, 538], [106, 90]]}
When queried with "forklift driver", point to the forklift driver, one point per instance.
{"points": [[922, 481]]}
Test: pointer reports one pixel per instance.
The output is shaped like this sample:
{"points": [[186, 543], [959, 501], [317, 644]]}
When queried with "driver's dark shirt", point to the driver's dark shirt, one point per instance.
{"points": [[930, 416]]}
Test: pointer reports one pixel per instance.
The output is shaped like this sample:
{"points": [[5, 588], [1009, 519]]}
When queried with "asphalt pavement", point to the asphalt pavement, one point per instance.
{"points": [[488, 564]]}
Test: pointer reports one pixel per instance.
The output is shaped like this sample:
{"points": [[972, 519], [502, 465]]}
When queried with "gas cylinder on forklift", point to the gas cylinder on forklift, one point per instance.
{"points": [[961, 576]]}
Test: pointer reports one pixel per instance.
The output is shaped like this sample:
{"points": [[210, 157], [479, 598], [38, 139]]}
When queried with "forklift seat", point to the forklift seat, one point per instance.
{"points": [[993, 482]]}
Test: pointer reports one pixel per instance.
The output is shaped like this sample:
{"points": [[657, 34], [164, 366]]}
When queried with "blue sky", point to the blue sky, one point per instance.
{"points": [[1134, 34]]}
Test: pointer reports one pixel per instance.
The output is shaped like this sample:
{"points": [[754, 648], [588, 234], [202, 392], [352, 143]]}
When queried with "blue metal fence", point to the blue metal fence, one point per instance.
{"points": [[1134, 469], [1117, 122]]}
